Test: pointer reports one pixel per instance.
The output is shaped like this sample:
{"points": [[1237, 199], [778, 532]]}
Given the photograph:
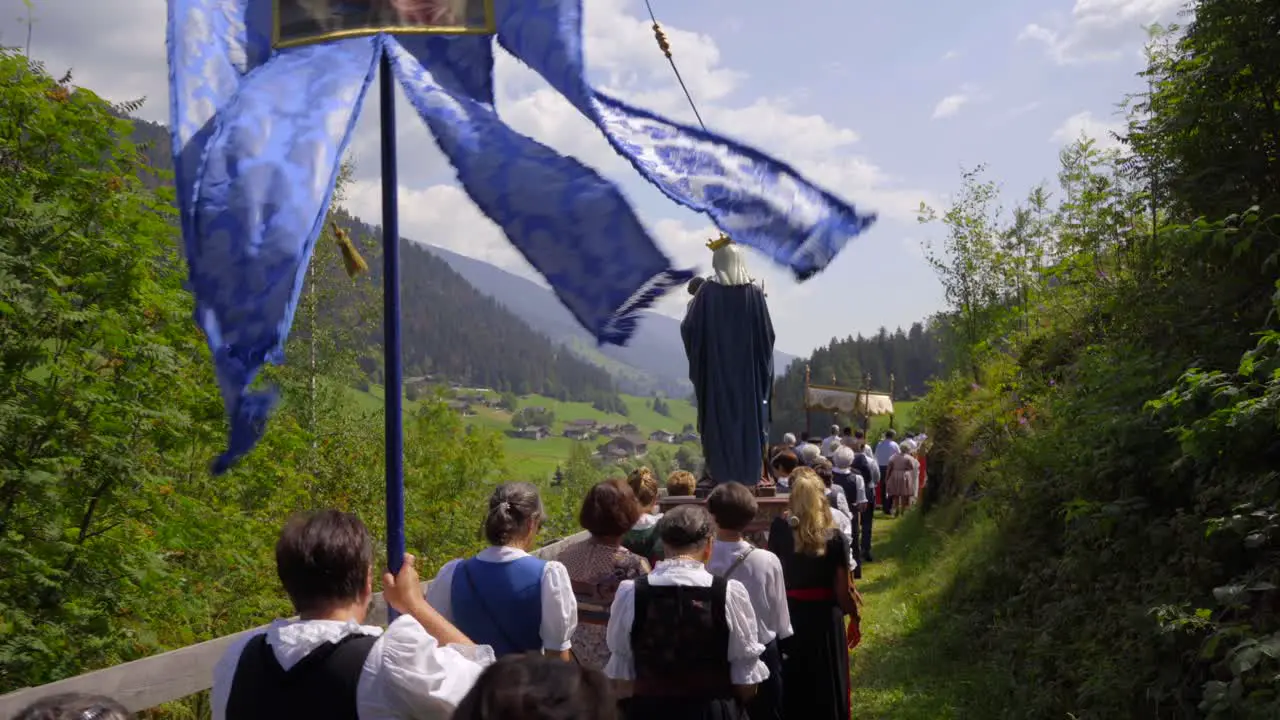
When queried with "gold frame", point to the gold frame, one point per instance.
{"points": [[490, 28]]}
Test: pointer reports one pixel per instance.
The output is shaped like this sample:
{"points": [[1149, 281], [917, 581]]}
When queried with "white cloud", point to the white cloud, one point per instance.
{"points": [[1099, 30], [950, 105], [1085, 125], [950, 55]]}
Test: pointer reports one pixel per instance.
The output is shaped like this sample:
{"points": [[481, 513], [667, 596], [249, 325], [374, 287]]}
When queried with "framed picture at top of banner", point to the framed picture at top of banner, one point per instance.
{"points": [[300, 22]]}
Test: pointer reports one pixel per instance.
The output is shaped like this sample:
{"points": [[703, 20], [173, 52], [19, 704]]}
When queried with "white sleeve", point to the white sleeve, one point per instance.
{"points": [[559, 608], [621, 665], [745, 666], [440, 590], [845, 526], [860, 488], [842, 502], [775, 592], [414, 669], [224, 673]]}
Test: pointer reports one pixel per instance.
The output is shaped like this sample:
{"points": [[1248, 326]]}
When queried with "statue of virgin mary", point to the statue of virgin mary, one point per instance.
{"points": [[728, 338]]}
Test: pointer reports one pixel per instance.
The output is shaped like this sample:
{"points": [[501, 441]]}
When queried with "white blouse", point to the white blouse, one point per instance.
{"points": [[845, 526], [646, 521], [406, 668], [761, 574], [745, 667], [842, 503], [559, 607]]}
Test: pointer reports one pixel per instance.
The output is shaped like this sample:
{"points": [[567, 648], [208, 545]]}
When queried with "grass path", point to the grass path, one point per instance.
{"points": [[902, 669]]}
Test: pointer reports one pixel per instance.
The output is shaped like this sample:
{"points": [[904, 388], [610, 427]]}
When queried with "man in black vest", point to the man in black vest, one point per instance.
{"points": [[329, 665], [864, 466]]}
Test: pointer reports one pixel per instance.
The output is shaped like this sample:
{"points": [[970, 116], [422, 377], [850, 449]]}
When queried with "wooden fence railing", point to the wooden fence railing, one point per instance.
{"points": [[155, 680]]}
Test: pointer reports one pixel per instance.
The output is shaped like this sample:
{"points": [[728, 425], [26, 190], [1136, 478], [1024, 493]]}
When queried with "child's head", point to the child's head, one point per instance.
{"points": [[681, 483], [785, 463], [645, 486], [733, 506], [535, 687]]}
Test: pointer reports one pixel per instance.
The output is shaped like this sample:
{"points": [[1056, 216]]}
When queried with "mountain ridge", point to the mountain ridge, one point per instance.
{"points": [[655, 355]]}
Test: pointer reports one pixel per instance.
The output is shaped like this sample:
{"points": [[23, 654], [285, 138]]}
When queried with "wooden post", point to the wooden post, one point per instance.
{"points": [[891, 381], [808, 418], [835, 414], [866, 402]]}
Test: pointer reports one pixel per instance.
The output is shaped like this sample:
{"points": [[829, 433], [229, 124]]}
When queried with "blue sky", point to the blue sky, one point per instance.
{"points": [[880, 102]]}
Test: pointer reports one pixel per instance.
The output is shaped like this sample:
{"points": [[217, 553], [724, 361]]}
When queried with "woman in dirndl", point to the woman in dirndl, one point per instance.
{"points": [[816, 567]]}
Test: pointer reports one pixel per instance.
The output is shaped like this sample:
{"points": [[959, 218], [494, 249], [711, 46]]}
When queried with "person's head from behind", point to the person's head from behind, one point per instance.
{"points": [[784, 464], [325, 562], [733, 506], [788, 440], [696, 284], [890, 434], [645, 487], [859, 439], [822, 468], [804, 437], [835, 429], [686, 532], [609, 510], [810, 455], [515, 515], [75, 706], [535, 687], [843, 459], [847, 431], [681, 483], [810, 513]]}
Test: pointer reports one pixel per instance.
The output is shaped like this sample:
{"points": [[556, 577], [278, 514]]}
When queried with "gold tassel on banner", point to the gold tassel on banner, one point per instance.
{"points": [[355, 265]]}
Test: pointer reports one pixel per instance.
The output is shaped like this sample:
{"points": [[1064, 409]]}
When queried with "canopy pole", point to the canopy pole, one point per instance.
{"points": [[808, 417], [392, 376]]}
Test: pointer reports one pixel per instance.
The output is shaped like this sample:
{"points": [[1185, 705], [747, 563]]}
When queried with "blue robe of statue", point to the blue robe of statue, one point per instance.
{"points": [[728, 338]]}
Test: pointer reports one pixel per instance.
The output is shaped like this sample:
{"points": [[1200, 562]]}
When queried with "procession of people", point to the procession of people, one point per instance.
{"points": [[739, 602]]}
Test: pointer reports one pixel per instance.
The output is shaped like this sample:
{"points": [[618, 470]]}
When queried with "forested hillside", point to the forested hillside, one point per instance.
{"points": [[1108, 445], [913, 357], [449, 329]]}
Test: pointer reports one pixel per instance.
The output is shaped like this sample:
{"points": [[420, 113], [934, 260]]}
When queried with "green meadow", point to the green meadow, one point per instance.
{"points": [[542, 457]]}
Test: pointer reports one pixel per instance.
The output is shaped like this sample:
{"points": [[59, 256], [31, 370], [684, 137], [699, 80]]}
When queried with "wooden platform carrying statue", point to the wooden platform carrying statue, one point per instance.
{"points": [[728, 338]]}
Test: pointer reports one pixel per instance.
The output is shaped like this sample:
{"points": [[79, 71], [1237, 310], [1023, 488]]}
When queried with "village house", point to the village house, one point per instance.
{"points": [[689, 437], [536, 432], [578, 433], [628, 445], [461, 407], [585, 424], [662, 436]]}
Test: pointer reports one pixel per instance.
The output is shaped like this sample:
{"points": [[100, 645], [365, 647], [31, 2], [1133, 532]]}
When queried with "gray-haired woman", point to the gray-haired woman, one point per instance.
{"points": [[504, 597], [683, 643]]}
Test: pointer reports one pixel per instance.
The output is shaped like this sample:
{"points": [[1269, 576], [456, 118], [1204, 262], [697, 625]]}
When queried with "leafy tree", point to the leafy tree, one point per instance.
{"points": [[1124, 437], [967, 263]]}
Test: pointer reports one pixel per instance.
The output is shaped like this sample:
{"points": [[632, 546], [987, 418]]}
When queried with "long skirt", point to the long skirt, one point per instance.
{"points": [[768, 702], [815, 662], [665, 708]]}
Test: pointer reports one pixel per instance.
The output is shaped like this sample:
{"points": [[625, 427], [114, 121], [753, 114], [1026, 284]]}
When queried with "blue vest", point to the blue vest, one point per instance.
{"points": [[501, 605]]}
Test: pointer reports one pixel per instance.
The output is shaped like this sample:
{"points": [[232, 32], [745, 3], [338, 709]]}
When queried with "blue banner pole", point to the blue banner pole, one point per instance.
{"points": [[392, 380]]}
